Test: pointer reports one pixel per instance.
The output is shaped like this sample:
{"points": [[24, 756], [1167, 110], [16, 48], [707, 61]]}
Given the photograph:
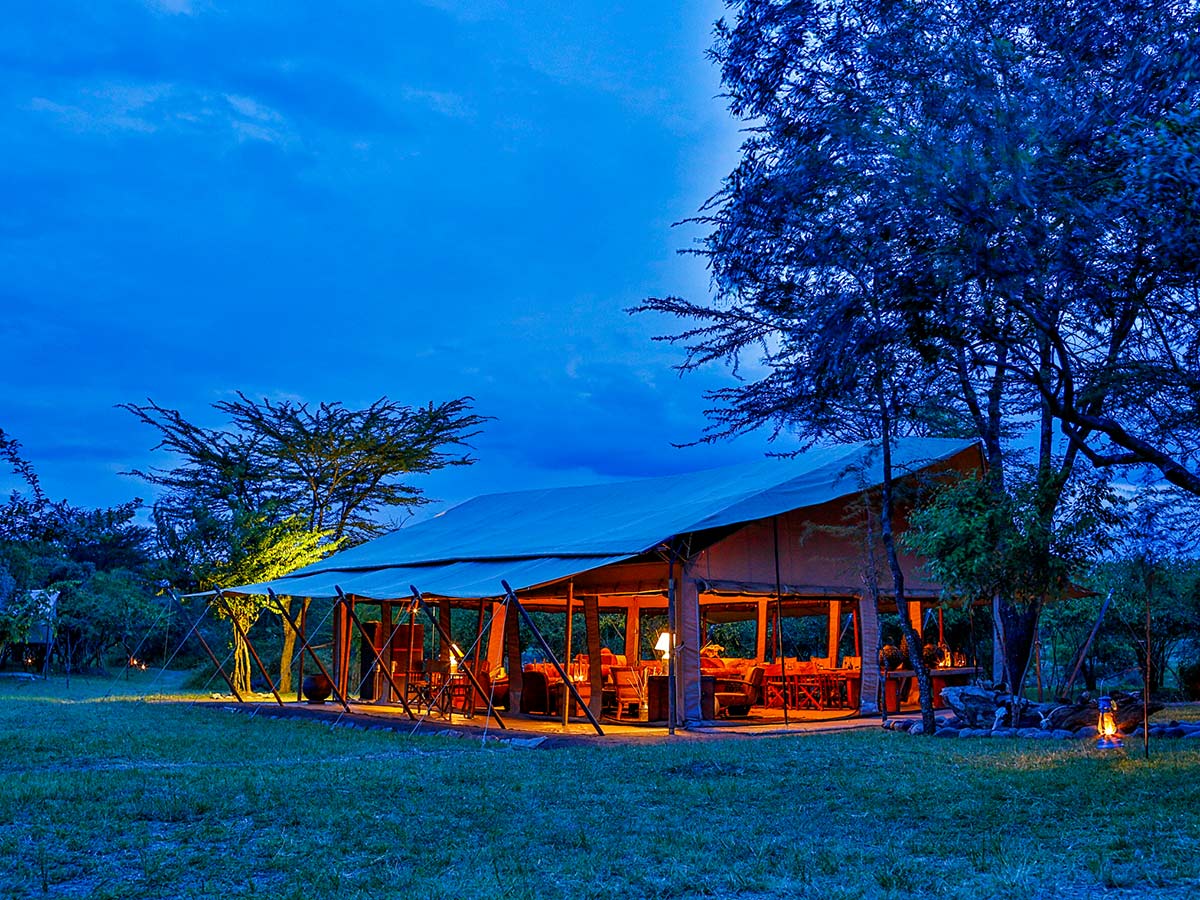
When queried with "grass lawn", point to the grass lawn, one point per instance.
{"points": [[122, 797]]}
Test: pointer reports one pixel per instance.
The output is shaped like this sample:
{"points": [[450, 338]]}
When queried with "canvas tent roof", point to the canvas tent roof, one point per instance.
{"points": [[532, 538]]}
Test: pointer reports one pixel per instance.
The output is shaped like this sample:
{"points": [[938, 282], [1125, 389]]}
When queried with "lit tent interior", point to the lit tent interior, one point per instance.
{"points": [[675, 555]]}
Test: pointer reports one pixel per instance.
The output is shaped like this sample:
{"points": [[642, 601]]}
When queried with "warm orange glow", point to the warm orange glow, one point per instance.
{"points": [[1106, 724]]}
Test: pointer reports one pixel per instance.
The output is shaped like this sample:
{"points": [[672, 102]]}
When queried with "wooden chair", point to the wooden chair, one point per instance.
{"points": [[628, 690], [536, 696], [735, 697]]}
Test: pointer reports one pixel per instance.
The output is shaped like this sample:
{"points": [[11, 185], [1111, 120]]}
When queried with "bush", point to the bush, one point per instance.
{"points": [[1189, 680]]}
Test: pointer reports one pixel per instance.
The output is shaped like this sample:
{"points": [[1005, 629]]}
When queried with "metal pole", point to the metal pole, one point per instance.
{"points": [[513, 601], [250, 646], [313, 653], [208, 650], [378, 658], [442, 633]]}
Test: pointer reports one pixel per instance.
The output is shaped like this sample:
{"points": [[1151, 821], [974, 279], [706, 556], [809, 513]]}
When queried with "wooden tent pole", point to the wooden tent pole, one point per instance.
{"points": [[566, 699], [341, 698], [591, 620], [479, 634], [378, 657], [249, 646], [671, 625], [779, 620], [513, 601], [445, 638], [1087, 645]]}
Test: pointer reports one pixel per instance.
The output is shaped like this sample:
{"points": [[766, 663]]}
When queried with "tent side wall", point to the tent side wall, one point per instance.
{"points": [[823, 551]]}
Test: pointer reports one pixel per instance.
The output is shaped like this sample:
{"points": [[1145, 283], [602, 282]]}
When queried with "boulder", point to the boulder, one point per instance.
{"points": [[973, 704]]}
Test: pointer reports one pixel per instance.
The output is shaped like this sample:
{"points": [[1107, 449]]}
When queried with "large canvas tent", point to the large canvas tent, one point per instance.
{"points": [[743, 536]]}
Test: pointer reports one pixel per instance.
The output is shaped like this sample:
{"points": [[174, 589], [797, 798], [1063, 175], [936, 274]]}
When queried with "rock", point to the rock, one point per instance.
{"points": [[946, 733], [1029, 732], [1004, 732], [526, 743], [1062, 734], [971, 703], [968, 732], [917, 728], [1192, 735]]}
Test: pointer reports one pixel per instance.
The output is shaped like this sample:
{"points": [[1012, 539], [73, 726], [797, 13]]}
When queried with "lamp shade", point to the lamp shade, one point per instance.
{"points": [[663, 644]]}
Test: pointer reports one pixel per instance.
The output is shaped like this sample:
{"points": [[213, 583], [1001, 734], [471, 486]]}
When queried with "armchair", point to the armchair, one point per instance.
{"points": [[735, 696]]}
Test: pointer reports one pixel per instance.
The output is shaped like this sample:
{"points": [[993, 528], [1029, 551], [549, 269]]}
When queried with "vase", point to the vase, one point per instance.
{"points": [[317, 688]]}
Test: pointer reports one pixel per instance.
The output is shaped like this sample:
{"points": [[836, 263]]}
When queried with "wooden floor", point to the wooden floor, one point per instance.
{"points": [[544, 729]]}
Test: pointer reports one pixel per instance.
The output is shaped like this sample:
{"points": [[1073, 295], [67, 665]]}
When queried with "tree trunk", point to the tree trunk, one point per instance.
{"points": [[241, 664], [288, 649], [1019, 624], [924, 684]]}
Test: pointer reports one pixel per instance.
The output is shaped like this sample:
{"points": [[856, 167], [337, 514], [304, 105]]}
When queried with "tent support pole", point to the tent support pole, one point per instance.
{"points": [[313, 653], [779, 621], [445, 637], [207, 649], [378, 659], [250, 646], [1087, 645], [479, 633], [513, 601], [566, 700], [671, 626]]}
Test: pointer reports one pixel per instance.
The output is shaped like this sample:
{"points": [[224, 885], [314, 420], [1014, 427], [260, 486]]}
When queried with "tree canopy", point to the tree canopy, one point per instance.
{"points": [[963, 216], [284, 483], [335, 468]]}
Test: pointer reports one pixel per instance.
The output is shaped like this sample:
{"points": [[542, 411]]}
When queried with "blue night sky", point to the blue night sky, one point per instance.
{"points": [[337, 202]]}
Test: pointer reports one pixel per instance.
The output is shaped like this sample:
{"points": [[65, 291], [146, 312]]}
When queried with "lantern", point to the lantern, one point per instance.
{"points": [[1106, 725]]}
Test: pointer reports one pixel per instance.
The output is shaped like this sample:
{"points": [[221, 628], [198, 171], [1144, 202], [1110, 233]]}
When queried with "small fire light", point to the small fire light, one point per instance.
{"points": [[1106, 725]]}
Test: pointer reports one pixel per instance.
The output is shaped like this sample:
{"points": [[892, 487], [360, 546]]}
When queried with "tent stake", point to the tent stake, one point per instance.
{"points": [[513, 601]]}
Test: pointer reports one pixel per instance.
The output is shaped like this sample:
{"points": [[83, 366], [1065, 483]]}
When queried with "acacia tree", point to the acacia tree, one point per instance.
{"points": [[284, 483], [989, 159]]}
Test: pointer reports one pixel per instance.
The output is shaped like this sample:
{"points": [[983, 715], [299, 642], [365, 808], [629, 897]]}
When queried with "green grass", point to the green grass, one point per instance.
{"points": [[120, 797]]}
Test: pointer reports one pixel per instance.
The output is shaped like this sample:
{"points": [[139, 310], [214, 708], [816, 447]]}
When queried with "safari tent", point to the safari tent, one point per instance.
{"points": [[672, 559]]}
